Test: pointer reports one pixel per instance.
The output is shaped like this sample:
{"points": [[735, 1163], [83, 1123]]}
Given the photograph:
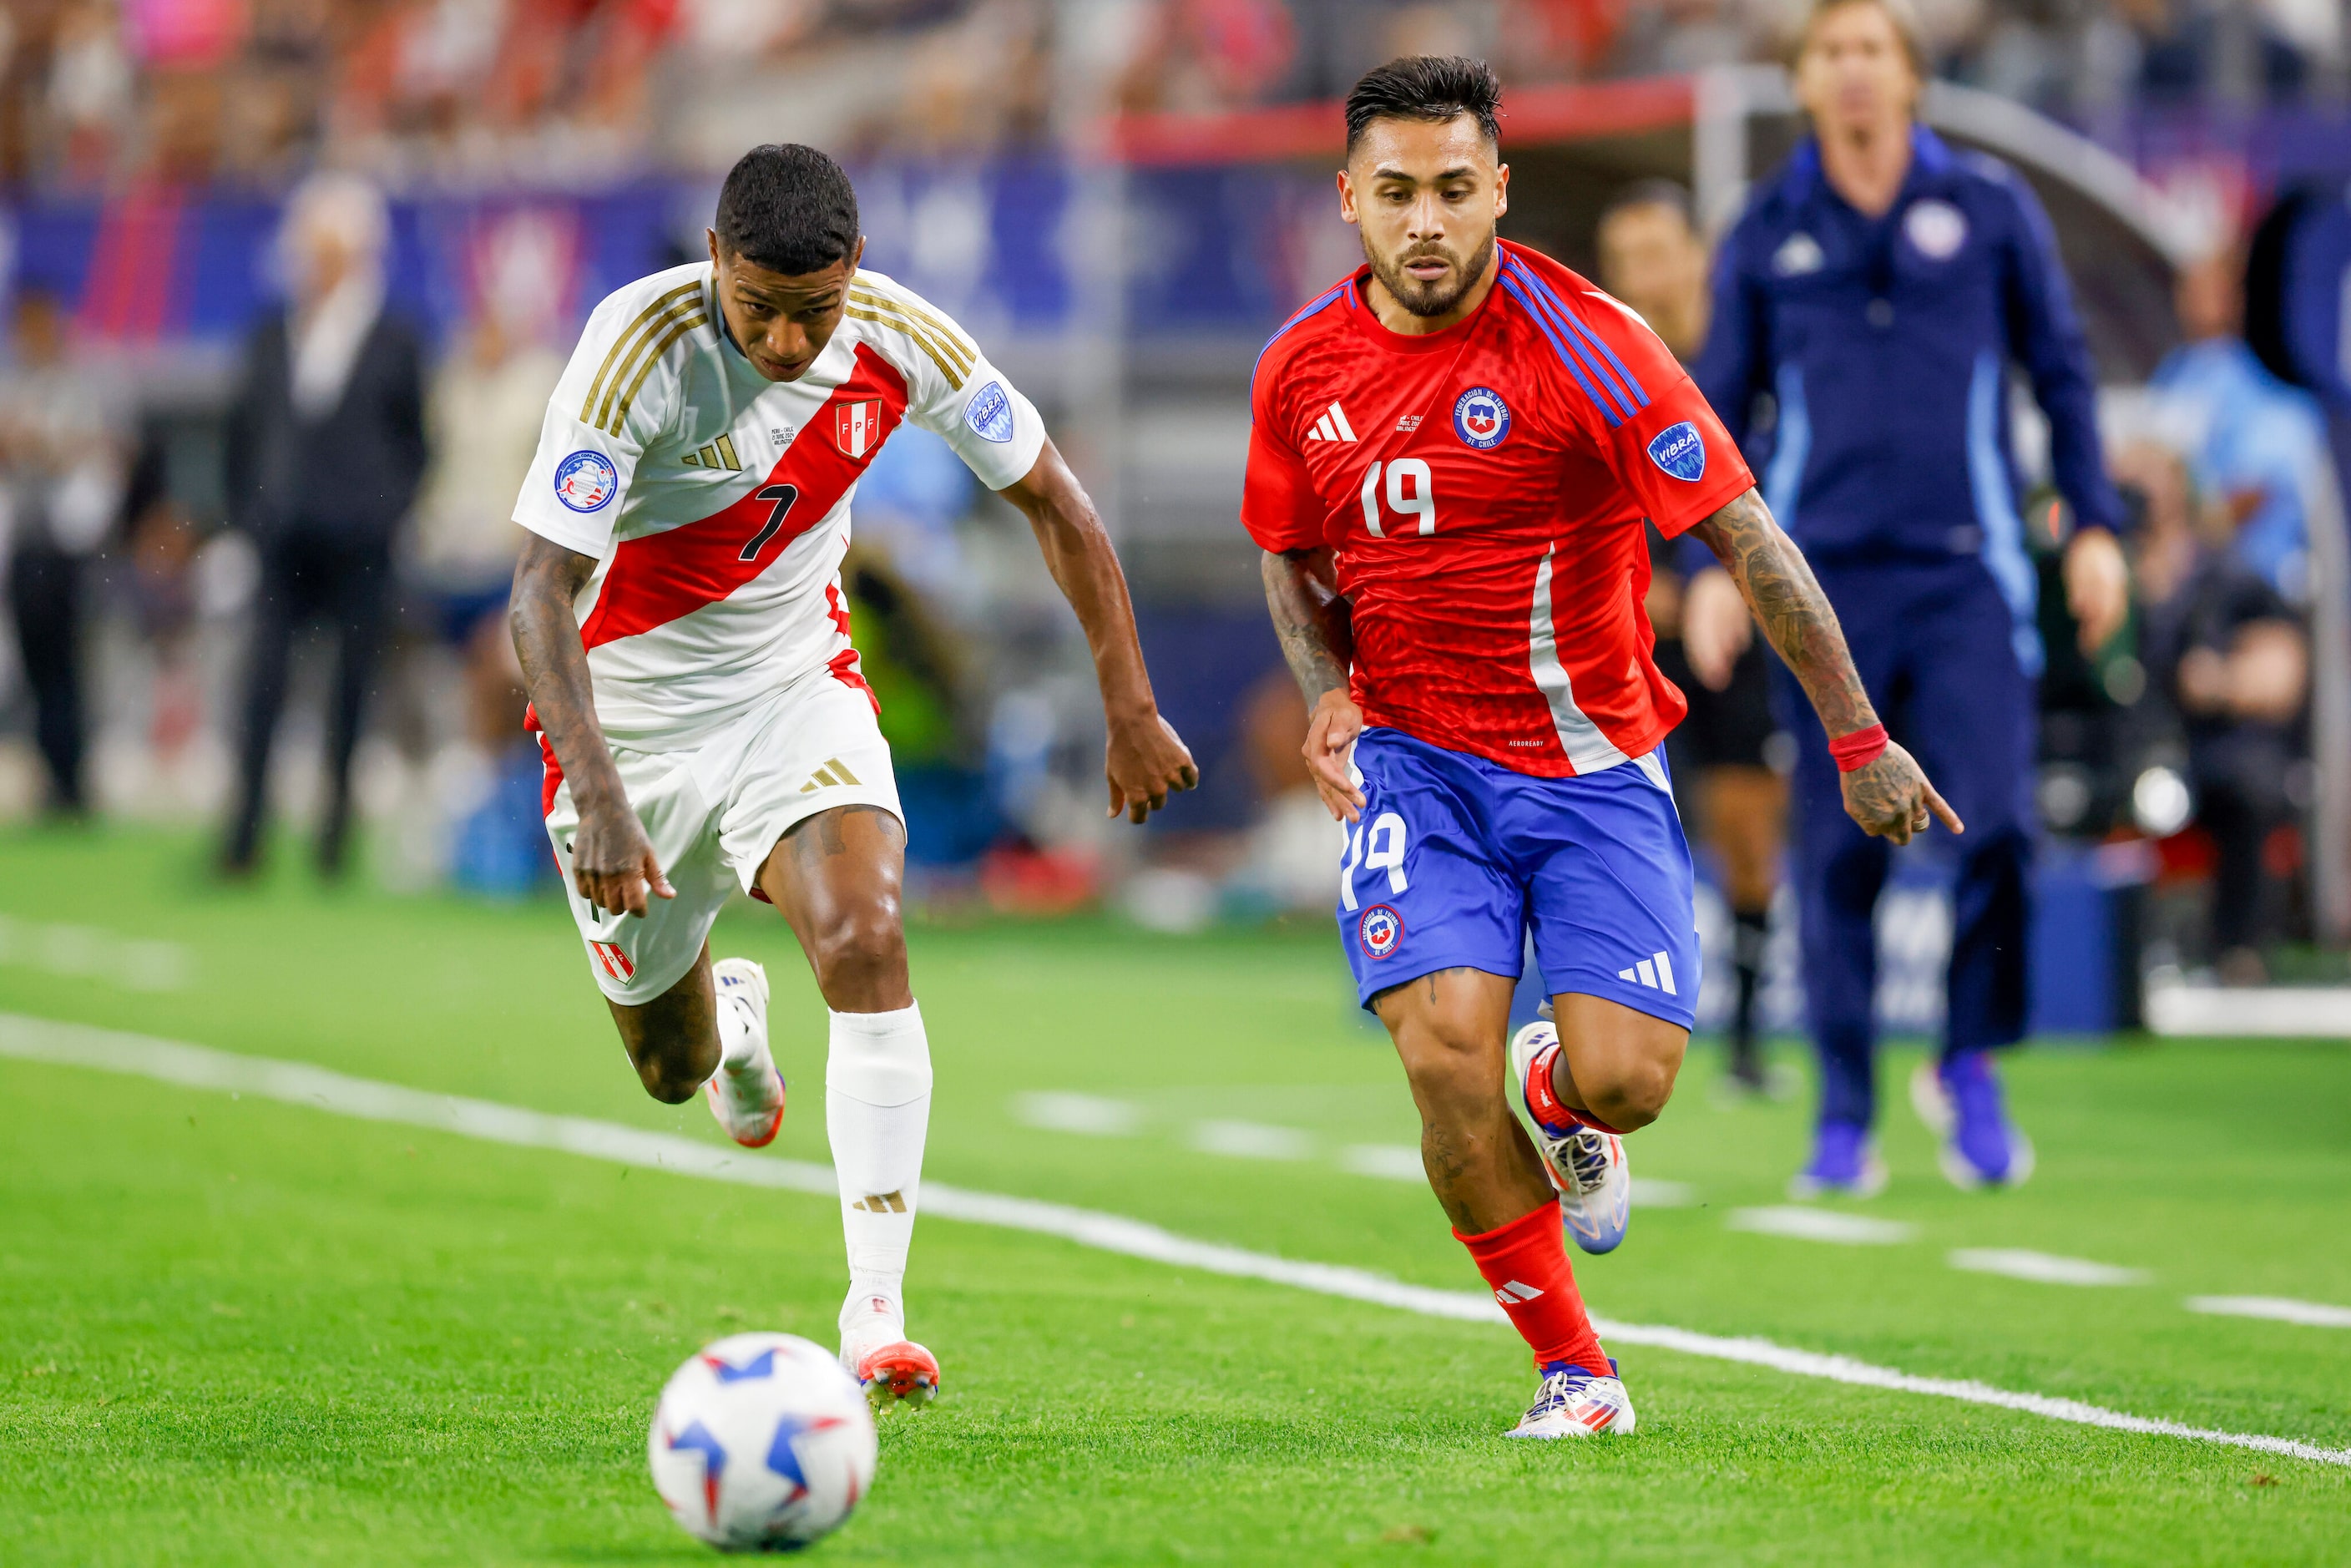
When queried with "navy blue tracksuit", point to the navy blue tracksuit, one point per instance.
{"points": [[1888, 345]]}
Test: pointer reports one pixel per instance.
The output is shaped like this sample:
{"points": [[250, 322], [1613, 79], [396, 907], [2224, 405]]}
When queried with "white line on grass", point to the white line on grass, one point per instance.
{"points": [[2284, 1309], [1821, 1225], [81, 1045], [2044, 1268]]}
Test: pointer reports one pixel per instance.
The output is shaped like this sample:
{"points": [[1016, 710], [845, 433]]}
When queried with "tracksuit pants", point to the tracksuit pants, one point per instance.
{"points": [[1936, 647]]}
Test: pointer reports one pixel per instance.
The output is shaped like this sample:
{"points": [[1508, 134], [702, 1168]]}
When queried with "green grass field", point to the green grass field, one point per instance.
{"points": [[246, 1331]]}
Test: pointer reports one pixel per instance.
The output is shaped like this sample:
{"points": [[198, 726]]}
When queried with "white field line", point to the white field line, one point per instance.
{"points": [[1821, 1225], [2281, 1308], [297, 1083], [2044, 1268]]}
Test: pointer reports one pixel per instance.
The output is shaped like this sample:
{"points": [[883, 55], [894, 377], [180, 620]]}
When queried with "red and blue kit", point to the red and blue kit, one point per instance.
{"points": [[1483, 490]]}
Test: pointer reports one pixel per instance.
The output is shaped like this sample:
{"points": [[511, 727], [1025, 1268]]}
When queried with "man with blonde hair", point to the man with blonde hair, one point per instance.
{"points": [[1881, 290]]}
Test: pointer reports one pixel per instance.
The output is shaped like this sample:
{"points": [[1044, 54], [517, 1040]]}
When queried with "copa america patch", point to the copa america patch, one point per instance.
{"points": [[1481, 418], [1937, 229], [1379, 930], [586, 480], [1680, 451], [989, 414]]}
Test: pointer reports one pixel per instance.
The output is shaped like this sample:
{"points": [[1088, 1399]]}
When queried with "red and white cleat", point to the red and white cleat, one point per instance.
{"points": [[746, 1096], [893, 1369], [1573, 1403]]}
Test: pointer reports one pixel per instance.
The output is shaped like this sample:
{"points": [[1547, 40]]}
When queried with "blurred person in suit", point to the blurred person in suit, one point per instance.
{"points": [[1653, 257], [326, 448], [61, 448]]}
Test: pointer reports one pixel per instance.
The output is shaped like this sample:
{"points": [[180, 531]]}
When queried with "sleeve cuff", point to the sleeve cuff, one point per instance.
{"points": [[593, 543]]}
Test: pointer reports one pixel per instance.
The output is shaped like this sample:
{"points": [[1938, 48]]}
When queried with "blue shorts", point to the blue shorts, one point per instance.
{"points": [[1455, 858]]}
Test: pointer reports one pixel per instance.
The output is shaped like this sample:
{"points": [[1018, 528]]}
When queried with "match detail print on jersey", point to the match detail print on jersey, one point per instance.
{"points": [[658, 578]]}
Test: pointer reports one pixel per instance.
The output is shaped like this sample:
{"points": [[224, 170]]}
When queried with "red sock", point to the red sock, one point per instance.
{"points": [[1525, 1262], [1555, 1113]]}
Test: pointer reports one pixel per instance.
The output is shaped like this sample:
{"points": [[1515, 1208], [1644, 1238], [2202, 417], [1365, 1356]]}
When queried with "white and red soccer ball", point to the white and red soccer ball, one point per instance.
{"points": [[762, 1443]]}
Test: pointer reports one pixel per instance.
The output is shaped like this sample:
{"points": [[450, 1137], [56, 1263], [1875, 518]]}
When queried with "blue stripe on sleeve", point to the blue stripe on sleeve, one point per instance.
{"points": [[1576, 325], [1574, 365], [1615, 396]]}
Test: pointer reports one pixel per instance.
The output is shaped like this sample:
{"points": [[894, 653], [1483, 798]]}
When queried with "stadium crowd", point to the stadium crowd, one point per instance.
{"points": [[255, 91], [117, 584]]}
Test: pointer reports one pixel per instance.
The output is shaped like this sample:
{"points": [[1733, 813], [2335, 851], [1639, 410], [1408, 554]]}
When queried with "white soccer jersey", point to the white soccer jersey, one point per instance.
{"points": [[716, 501]]}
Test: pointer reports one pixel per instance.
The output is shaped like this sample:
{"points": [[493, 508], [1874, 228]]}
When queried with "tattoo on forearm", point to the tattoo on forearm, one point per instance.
{"points": [[1787, 600], [1310, 619]]}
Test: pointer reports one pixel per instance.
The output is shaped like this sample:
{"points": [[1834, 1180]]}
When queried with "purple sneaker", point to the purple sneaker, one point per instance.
{"points": [[1845, 1161], [1960, 1101]]}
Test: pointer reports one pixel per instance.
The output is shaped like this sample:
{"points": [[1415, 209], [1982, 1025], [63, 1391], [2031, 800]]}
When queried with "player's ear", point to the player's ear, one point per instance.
{"points": [[857, 256], [1501, 189], [711, 235], [1347, 197]]}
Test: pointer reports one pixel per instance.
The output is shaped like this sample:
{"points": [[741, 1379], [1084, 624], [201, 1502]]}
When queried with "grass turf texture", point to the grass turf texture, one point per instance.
{"points": [[242, 1331]]}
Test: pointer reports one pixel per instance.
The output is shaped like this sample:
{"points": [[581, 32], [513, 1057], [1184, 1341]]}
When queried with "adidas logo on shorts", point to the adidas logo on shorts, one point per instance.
{"points": [[1656, 971]]}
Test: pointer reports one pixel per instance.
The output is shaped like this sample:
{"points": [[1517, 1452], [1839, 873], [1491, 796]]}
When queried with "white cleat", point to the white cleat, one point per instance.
{"points": [[1573, 1403], [746, 1097], [1587, 1166], [875, 1349]]}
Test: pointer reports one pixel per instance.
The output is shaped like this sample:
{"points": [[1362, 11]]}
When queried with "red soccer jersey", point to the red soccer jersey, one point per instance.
{"points": [[1483, 490]]}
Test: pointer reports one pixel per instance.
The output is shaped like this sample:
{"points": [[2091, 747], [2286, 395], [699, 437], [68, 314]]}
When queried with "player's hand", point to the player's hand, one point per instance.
{"points": [[1330, 742], [1146, 762], [1891, 797], [612, 863], [1716, 627], [2098, 587]]}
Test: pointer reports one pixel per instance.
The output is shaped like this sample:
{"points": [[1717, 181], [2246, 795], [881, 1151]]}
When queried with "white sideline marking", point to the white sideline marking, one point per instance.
{"points": [[2284, 1309], [200, 1067], [1390, 1162], [2044, 1268], [1251, 1140], [1656, 1192], [1821, 1225], [1088, 1113], [86, 952]]}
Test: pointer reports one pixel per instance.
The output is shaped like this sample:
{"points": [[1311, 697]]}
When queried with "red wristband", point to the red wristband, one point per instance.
{"points": [[1859, 749]]}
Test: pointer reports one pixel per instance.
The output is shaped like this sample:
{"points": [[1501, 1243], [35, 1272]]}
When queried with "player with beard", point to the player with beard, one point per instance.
{"points": [[1452, 455]]}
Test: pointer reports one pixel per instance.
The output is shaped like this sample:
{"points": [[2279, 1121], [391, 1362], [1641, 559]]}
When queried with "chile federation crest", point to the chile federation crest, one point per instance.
{"points": [[1481, 418], [1379, 930]]}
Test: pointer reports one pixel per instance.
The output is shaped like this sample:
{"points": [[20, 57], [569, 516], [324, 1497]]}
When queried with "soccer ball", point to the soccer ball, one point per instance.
{"points": [[762, 1443]]}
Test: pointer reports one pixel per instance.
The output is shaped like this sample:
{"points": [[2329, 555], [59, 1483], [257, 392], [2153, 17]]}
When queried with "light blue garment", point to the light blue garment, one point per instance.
{"points": [[2243, 429]]}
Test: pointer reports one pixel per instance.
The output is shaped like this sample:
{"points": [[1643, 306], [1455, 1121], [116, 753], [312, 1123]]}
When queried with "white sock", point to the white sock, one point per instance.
{"points": [[877, 1109], [738, 1044]]}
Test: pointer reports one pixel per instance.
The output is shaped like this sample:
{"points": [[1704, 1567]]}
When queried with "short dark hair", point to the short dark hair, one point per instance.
{"points": [[1429, 87], [1670, 193], [787, 208]]}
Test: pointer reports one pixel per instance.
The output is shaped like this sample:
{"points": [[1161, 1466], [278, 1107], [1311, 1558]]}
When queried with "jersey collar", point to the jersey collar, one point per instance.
{"points": [[1367, 321]]}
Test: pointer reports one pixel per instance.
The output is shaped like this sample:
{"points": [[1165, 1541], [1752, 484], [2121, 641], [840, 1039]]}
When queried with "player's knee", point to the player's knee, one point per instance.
{"points": [[858, 952], [1445, 1070], [1634, 1093], [670, 1078]]}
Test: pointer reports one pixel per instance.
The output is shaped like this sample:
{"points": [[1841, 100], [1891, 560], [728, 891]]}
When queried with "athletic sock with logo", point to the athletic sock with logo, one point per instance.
{"points": [[877, 1109], [1558, 1117], [1525, 1262]]}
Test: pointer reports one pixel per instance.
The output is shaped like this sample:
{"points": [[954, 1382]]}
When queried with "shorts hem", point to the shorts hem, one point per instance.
{"points": [[785, 819], [640, 990], [1389, 979], [1667, 1009]]}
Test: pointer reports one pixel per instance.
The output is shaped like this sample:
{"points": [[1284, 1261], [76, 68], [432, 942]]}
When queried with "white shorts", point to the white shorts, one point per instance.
{"points": [[713, 812]]}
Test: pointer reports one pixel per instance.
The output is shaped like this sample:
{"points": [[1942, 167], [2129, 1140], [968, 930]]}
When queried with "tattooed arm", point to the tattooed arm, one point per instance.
{"points": [[1891, 797], [1301, 592]]}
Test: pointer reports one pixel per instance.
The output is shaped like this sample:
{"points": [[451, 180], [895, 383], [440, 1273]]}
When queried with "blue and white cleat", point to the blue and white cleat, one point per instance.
{"points": [[1573, 1403], [1587, 1166], [1844, 1163], [746, 1097], [1960, 1101]]}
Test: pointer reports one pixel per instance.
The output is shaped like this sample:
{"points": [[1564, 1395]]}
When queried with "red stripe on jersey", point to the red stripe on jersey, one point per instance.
{"points": [[662, 577]]}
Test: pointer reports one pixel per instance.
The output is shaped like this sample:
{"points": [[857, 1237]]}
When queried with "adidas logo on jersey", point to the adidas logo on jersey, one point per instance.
{"points": [[833, 775], [1656, 971], [1333, 426], [719, 453]]}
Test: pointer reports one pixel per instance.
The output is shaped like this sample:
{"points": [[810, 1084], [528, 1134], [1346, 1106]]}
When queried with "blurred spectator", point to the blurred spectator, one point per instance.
{"points": [[60, 446], [1203, 55], [2231, 657], [1653, 258], [326, 447], [487, 400], [2252, 441]]}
